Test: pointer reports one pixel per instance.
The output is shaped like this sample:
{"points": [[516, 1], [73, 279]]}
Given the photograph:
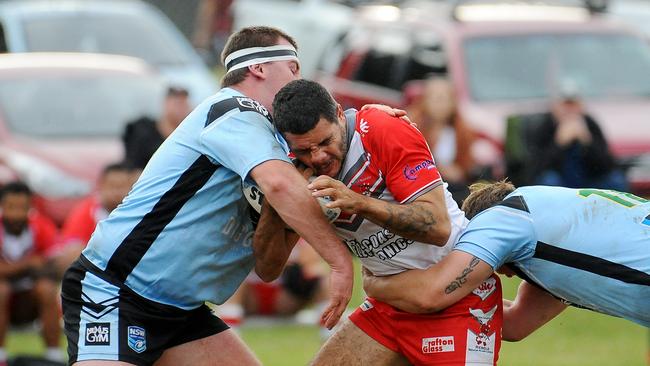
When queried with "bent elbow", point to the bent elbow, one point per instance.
{"points": [[267, 275], [425, 304], [275, 185], [513, 337], [512, 332]]}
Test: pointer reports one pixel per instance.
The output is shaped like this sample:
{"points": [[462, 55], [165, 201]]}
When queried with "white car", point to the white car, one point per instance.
{"points": [[127, 27], [61, 118], [314, 24]]}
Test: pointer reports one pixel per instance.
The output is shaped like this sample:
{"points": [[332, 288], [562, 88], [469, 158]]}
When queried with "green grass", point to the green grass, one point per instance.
{"points": [[575, 338]]}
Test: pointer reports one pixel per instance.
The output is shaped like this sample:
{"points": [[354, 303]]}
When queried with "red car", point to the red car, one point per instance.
{"points": [[61, 117], [504, 59]]}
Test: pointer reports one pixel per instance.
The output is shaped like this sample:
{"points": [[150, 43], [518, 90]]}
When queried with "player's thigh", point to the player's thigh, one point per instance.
{"points": [[223, 349], [351, 346]]}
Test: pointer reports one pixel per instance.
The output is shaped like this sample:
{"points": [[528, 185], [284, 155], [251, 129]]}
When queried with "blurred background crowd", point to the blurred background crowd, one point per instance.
{"points": [[553, 92]]}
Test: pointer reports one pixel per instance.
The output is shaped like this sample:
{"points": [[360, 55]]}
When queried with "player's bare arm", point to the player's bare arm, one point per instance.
{"points": [[531, 308], [285, 189], [433, 289], [272, 244], [425, 220]]}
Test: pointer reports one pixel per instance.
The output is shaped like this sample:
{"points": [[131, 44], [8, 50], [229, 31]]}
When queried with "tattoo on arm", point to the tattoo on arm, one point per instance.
{"points": [[412, 220], [460, 280]]}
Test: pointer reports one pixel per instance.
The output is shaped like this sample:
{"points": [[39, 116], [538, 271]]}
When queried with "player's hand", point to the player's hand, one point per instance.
{"points": [[393, 112], [340, 294], [342, 197]]}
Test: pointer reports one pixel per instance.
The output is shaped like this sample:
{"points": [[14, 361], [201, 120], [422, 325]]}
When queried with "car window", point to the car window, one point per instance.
{"points": [[119, 34], [530, 66], [64, 106], [396, 56]]}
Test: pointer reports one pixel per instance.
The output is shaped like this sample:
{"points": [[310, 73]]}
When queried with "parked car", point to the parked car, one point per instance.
{"points": [[313, 23], [126, 27], [61, 118], [503, 59], [633, 12]]}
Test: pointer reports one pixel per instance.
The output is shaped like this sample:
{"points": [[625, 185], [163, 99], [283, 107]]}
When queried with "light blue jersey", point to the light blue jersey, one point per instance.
{"points": [[588, 247], [182, 236]]}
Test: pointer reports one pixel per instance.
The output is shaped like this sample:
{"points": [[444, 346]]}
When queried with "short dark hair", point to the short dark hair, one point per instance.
{"points": [[299, 105], [177, 91], [258, 36], [15, 187], [121, 166], [484, 195]]}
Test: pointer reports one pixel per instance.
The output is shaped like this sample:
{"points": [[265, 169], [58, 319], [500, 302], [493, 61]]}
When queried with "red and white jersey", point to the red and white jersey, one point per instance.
{"points": [[389, 159]]}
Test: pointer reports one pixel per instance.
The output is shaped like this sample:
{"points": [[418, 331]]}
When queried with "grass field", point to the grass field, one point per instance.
{"points": [[575, 338]]}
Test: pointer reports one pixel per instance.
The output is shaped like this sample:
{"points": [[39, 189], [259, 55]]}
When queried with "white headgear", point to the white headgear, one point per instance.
{"points": [[258, 55]]}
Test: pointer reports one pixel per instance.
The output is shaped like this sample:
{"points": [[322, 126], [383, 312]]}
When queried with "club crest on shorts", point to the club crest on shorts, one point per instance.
{"points": [[137, 338], [486, 288]]}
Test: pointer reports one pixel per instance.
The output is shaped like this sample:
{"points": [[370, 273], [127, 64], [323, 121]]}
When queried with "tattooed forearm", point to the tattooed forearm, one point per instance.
{"points": [[460, 280], [413, 221]]}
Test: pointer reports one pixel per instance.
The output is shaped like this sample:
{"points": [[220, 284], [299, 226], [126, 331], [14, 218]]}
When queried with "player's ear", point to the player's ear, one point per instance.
{"points": [[257, 71], [340, 114]]}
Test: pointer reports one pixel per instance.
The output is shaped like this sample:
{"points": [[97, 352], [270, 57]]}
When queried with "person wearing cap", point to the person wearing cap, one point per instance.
{"points": [[143, 136], [586, 248], [183, 235], [570, 149]]}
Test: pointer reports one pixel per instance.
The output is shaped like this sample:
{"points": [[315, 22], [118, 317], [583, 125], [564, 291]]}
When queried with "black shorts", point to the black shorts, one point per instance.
{"points": [[108, 321]]}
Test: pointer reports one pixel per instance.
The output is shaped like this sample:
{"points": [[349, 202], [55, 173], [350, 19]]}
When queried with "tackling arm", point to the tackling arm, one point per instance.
{"points": [[432, 289], [425, 220], [531, 308], [272, 244], [286, 190]]}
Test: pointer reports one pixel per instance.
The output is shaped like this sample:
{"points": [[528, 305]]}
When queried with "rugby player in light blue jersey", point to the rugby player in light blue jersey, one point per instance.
{"points": [[183, 234], [588, 248]]}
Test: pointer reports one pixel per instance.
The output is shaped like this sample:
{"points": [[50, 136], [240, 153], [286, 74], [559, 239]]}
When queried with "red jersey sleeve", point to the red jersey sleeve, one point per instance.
{"points": [[401, 153], [80, 223], [45, 234]]}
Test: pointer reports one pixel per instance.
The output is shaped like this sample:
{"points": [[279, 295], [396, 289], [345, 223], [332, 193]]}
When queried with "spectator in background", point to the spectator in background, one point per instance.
{"points": [[27, 287], [114, 184], [214, 21], [143, 136], [569, 149], [449, 138]]}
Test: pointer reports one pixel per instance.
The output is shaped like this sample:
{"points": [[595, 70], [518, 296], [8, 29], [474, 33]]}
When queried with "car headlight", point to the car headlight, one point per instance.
{"points": [[45, 179]]}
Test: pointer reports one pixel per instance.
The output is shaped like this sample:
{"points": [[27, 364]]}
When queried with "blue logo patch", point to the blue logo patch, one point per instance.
{"points": [[412, 173], [137, 339]]}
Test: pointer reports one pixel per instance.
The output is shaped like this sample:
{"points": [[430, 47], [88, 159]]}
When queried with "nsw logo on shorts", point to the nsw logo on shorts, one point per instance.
{"points": [[98, 334], [438, 344], [136, 338]]}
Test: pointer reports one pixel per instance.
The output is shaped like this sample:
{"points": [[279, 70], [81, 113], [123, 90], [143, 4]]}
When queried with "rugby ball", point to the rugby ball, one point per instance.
{"points": [[254, 196]]}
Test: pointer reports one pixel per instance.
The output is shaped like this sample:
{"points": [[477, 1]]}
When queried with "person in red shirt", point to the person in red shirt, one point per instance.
{"points": [[27, 287], [114, 184]]}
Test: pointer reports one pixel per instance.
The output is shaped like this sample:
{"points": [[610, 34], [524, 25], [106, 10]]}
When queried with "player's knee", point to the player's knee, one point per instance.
{"points": [[46, 291]]}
